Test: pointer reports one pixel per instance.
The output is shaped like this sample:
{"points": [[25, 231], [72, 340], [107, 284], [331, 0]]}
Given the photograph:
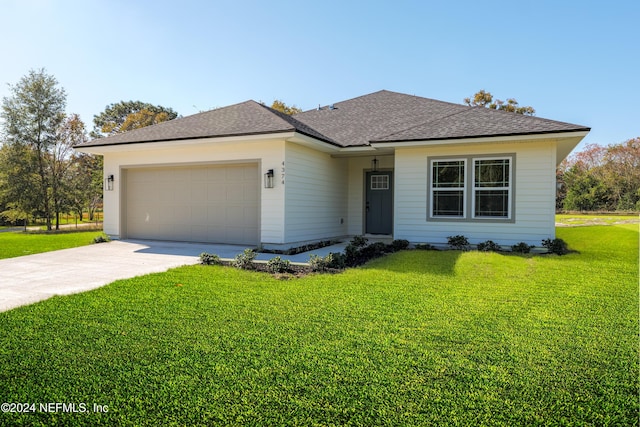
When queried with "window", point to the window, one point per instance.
{"points": [[448, 189], [379, 182], [488, 179], [491, 188]]}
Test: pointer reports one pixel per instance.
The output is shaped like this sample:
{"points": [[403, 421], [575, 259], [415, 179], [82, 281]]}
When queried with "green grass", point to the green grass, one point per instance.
{"points": [[15, 244], [415, 338], [595, 219]]}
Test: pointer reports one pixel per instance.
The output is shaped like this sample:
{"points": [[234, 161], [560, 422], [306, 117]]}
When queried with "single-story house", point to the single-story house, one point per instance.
{"points": [[384, 164]]}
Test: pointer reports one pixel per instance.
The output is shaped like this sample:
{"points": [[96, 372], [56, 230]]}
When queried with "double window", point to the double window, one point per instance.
{"points": [[471, 188]]}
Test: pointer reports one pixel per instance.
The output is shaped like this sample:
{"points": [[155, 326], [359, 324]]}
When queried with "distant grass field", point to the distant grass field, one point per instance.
{"points": [[595, 219], [415, 338], [15, 244]]}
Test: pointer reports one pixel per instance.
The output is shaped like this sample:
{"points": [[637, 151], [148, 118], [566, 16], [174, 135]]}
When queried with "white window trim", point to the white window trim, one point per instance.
{"points": [[433, 190], [384, 182], [469, 196], [508, 188]]}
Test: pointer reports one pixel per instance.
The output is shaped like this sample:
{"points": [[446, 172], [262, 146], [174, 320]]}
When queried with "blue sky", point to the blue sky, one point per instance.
{"points": [[573, 61]]}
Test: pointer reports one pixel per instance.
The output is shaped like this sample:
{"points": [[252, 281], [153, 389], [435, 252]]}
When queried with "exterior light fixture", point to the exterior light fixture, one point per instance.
{"points": [[110, 180], [374, 164], [268, 179]]}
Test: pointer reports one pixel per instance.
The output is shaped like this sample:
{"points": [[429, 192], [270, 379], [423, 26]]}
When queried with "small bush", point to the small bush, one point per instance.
{"points": [[316, 263], [244, 261], [332, 261], [278, 265], [556, 246], [209, 259], [459, 242], [399, 244], [374, 250], [335, 260], [425, 247], [103, 238], [522, 248], [353, 255], [359, 241], [488, 246]]}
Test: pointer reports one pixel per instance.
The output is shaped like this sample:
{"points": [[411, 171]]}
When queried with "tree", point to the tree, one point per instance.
{"points": [[601, 178], [85, 177], [61, 159], [128, 115], [621, 174], [32, 117], [279, 105], [483, 98], [585, 190], [18, 178]]}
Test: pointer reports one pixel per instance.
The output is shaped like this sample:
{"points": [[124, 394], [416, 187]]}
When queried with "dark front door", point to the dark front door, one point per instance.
{"points": [[379, 203]]}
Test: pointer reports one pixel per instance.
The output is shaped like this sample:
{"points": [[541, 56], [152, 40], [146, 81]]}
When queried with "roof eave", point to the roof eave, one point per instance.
{"points": [[173, 142]]}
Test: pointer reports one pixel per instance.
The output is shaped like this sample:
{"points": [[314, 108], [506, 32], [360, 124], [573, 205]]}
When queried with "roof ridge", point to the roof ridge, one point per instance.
{"points": [[407, 95]]}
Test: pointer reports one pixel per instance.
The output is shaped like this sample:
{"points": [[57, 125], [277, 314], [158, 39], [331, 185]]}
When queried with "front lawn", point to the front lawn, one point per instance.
{"points": [[415, 338], [14, 244]]}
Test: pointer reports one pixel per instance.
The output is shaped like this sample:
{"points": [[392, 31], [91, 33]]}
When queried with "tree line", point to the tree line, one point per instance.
{"points": [[601, 178]]}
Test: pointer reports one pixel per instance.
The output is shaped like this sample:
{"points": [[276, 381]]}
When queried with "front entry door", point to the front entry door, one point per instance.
{"points": [[379, 203]]}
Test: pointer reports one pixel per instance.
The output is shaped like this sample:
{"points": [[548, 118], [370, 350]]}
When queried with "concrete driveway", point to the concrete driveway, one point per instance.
{"points": [[28, 279]]}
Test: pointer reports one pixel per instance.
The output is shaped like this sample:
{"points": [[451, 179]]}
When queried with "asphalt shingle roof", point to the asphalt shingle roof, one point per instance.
{"points": [[382, 116], [358, 121], [476, 122], [246, 118]]}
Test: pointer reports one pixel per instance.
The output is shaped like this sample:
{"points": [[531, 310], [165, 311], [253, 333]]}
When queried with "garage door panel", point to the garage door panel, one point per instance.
{"points": [[251, 215], [235, 174], [251, 193], [200, 203], [199, 215], [217, 215], [198, 192], [235, 195], [216, 193]]}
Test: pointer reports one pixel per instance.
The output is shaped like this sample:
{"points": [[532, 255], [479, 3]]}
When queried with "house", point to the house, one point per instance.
{"points": [[384, 164]]}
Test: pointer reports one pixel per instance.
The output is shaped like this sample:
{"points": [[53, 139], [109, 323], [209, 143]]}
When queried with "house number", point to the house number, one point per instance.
{"points": [[282, 172]]}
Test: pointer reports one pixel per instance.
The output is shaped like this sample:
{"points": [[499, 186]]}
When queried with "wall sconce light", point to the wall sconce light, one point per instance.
{"points": [[110, 180], [374, 164], [268, 179]]}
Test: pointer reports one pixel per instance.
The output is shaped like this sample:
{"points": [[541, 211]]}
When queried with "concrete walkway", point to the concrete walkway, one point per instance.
{"points": [[28, 279]]}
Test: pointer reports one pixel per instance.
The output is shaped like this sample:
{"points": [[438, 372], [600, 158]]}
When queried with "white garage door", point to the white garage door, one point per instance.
{"points": [[219, 204]]}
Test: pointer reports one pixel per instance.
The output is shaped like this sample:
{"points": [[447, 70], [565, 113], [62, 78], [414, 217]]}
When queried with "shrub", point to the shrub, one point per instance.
{"points": [[244, 261], [332, 261], [459, 242], [374, 250], [209, 259], [522, 248], [359, 241], [278, 265], [556, 246], [335, 260], [399, 244], [353, 255], [103, 238], [317, 263], [488, 246]]}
